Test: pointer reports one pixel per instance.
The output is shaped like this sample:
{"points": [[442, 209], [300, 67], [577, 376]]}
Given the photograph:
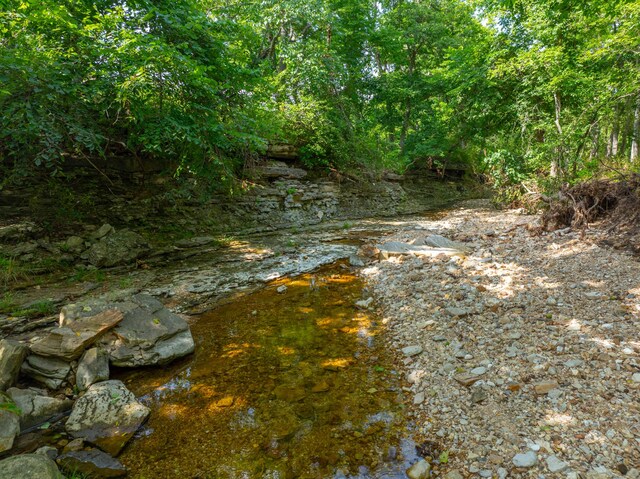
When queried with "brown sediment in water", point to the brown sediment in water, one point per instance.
{"points": [[291, 385]]}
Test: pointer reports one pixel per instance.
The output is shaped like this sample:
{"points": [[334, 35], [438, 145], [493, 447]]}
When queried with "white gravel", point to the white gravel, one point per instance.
{"points": [[531, 347]]}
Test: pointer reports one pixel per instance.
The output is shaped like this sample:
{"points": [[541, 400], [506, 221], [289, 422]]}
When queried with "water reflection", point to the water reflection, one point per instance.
{"points": [[286, 386]]}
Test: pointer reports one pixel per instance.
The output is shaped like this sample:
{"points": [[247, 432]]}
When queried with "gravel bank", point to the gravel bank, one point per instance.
{"points": [[530, 347]]}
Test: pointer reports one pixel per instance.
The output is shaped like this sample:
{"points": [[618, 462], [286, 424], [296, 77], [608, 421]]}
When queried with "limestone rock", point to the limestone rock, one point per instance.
{"points": [[121, 247], [9, 422], [107, 416], [48, 451], [438, 241], [556, 465], [36, 406], [103, 231], [29, 466], [148, 335], [92, 368], [68, 342], [543, 387], [50, 372], [420, 470], [525, 460], [12, 354], [397, 248], [413, 350], [93, 463]]}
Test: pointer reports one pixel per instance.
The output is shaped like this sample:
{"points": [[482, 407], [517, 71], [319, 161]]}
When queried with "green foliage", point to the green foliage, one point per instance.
{"points": [[520, 89], [11, 407]]}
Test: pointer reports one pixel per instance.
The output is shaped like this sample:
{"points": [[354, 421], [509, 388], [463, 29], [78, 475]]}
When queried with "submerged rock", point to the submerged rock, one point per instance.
{"points": [[9, 422], [148, 335], [36, 407], [29, 466], [93, 463], [12, 354], [107, 416]]}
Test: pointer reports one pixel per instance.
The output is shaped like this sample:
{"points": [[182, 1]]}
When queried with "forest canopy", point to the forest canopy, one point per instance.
{"points": [[517, 88]]}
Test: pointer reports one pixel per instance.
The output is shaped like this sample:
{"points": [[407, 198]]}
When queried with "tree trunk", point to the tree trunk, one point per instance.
{"points": [[635, 132], [595, 146], [557, 165], [615, 130], [406, 117]]}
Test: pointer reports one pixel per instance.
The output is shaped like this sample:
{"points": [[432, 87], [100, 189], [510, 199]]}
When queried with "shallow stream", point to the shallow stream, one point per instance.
{"points": [[282, 385]]}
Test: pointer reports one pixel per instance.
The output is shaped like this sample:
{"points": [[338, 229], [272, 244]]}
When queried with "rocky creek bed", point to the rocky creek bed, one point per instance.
{"points": [[522, 357], [516, 356]]}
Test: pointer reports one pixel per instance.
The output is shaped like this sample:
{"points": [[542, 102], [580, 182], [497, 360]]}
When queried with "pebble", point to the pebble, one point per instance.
{"points": [[556, 465], [420, 470], [525, 460], [412, 350], [479, 371], [281, 289], [636, 378]]}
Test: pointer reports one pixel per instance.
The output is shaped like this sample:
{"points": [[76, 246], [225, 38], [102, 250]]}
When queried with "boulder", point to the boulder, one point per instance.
{"points": [[29, 466], [119, 248], [36, 407], [12, 354], [148, 335], [107, 416], [9, 422], [68, 342], [51, 372], [93, 463], [92, 368]]}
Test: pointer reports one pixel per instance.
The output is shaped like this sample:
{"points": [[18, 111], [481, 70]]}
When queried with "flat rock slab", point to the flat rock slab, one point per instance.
{"points": [[467, 379], [438, 241], [149, 334], [50, 372], [12, 354], [107, 416], [93, 463], [29, 466], [36, 406], [9, 422], [397, 248], [69, 341]]}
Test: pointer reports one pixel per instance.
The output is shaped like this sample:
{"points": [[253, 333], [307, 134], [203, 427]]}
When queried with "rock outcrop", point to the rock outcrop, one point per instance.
{"points": [[118, 248], [148, 335]]}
